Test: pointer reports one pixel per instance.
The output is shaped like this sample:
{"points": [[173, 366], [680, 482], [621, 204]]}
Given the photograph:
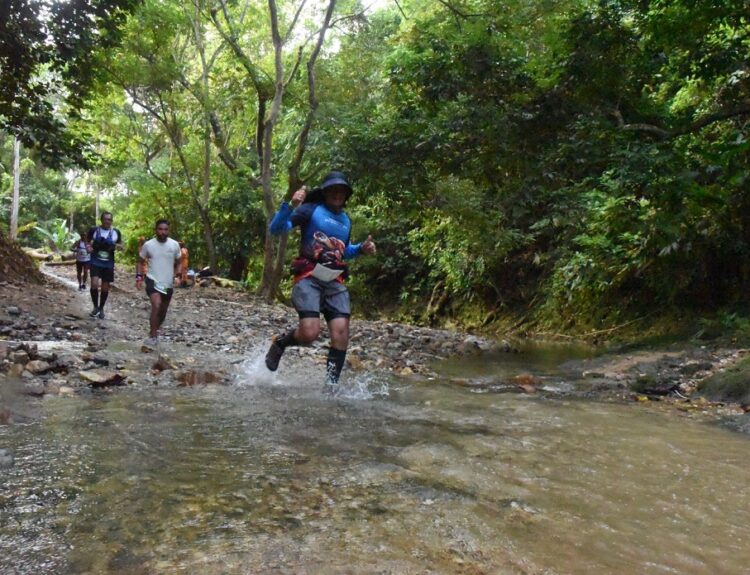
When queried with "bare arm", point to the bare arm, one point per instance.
{"points": [[139, 270]]}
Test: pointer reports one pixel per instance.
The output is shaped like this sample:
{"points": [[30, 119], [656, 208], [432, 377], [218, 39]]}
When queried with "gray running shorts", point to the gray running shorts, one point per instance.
{"points": [[311, 297]]}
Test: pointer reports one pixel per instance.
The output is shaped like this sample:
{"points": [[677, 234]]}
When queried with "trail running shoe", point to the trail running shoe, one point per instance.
{"points": [[101, 313], [273, 357], [94, 312]]}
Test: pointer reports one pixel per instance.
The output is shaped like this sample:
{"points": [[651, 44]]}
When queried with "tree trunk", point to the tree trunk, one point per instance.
{"points": [[273, 265], [96, 204], [16, 189]]}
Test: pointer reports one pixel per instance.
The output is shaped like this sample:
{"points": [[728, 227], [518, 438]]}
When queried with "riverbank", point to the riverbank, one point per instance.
{"points": [[219, 335]]}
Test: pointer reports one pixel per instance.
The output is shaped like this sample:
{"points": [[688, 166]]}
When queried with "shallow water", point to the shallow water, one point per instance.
{"points": [[269, 476]]}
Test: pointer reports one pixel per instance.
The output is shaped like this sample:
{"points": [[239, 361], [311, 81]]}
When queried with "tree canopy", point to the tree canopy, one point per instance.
{"points": [[580, 162], [51, 57]]}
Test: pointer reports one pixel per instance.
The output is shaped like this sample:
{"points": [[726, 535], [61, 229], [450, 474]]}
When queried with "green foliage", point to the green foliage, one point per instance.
{"points": [[50, 58], [57, 235], [584, 160]]}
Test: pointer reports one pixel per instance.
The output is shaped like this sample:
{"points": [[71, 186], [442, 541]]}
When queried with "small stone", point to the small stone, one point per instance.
{"points": [[34, 388], [6, 459], [102, 377], [162, 363], [38, 366], [16, 369], [19, 357], [13, 310]]}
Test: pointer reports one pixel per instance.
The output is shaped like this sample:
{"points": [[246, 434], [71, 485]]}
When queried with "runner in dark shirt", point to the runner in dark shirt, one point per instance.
{"points": [[103, 241]]}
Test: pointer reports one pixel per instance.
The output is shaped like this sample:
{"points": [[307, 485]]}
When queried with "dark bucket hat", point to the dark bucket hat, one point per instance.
{"points": [[332, 179]]}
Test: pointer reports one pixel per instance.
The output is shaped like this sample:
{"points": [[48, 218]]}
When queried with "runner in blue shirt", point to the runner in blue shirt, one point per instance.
{"points": [[320, 270]]}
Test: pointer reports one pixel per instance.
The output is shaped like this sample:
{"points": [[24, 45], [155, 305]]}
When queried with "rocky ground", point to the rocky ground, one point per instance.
{"points": [[49, 345]]}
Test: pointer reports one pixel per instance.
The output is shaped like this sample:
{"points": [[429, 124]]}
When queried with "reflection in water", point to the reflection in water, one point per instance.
{"points": [[277, 479]]}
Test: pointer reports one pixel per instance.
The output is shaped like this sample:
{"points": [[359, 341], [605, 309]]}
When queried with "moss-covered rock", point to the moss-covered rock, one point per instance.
{"points": [[732, 384]]}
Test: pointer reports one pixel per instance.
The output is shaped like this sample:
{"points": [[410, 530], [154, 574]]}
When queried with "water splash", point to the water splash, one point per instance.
{"points": [[364, 386], [252, 371]]}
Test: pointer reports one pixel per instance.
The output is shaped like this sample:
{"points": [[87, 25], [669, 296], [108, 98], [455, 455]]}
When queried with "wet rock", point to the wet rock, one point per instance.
{"points": [[48, 356], [6, 459], [31, 348], [16, 369], [38, 366], [34, 388], [188, 378], [527, 383], [13, 310], [163, 363], [19, 357], [102, 377]]}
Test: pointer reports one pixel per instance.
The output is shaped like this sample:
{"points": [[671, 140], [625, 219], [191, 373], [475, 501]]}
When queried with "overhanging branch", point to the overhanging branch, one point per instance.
{"points": [[695, 126]]}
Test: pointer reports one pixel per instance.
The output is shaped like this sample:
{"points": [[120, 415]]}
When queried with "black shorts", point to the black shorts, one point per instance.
{"points": [[150, 289], [80, 266], [107, 275]]}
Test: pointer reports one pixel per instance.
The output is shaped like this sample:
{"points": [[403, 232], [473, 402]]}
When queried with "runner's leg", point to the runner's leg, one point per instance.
{"points": [[339, 329], [163, 307], [153, 321], [94, 291], [103, 295]]}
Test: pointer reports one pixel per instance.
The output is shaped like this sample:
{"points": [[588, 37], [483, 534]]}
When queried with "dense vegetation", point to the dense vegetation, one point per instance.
{"points": [[574, 164]]}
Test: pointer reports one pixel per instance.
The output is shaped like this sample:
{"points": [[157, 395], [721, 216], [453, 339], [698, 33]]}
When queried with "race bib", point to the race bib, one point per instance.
{"points": [[325, 274], [102, 255], [161, 288]]}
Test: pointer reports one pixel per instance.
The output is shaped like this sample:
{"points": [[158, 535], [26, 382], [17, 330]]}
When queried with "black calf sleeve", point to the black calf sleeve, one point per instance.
{"points": [[103, 298], [334, 365], [94, 296]]}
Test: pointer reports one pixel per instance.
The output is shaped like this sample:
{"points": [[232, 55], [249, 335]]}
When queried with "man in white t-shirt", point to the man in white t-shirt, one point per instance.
{"points": [[163, 256]]}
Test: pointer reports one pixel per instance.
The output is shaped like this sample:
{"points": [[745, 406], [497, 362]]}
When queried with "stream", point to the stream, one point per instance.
{"points": [[397, 476]]}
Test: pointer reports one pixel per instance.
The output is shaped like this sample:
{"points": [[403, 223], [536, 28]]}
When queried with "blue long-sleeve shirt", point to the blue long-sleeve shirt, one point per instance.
{"points": [[325, 234]]}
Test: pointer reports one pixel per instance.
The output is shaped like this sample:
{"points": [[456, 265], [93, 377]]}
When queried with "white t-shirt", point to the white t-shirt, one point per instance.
{"points": [[161, 257], [82, 254]]}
